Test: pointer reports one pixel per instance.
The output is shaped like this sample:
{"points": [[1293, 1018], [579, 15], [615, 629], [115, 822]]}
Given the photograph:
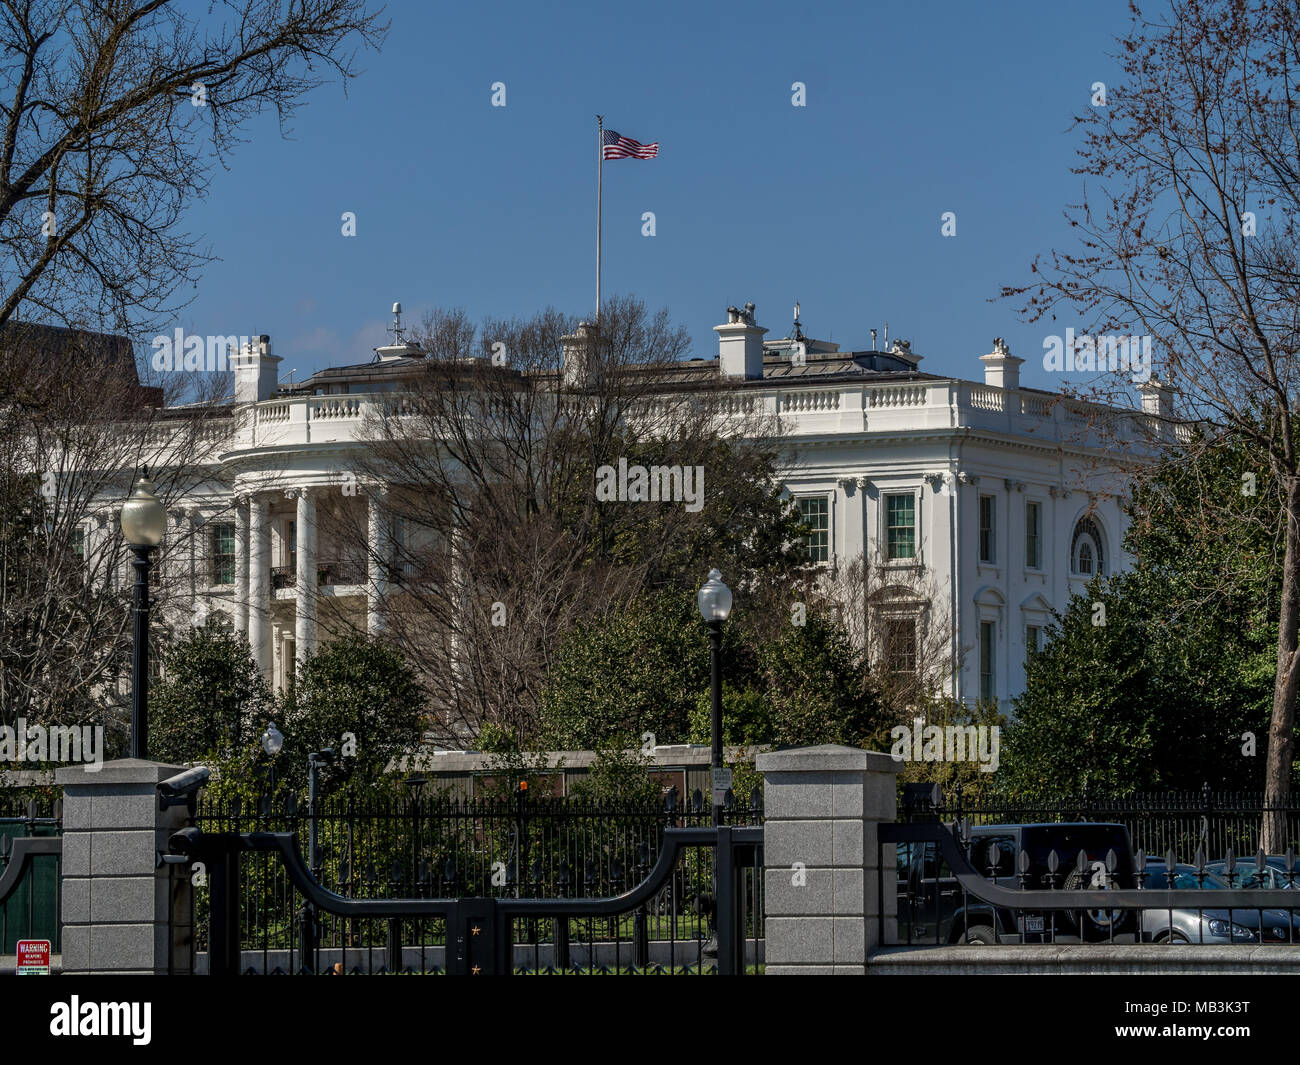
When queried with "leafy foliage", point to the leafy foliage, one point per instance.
{"points": [[211, 698]]}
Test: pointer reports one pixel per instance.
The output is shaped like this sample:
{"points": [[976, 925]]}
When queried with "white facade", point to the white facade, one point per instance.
{"points": [[875, 442]]}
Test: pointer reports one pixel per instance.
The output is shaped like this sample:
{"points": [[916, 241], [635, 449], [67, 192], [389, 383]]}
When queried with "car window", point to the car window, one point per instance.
{"points": [[929, 869], [1157, 879], [981, 853]]}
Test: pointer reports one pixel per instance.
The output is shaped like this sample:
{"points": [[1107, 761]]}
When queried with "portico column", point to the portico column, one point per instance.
{"points": [[241, 564], [259, 584], [305, 579], [377, 559]]}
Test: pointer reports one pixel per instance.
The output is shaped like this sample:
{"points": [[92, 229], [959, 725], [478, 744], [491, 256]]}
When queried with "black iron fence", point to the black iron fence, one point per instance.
{"points": [[501, 849], [1213, 822], [1077, 883]]}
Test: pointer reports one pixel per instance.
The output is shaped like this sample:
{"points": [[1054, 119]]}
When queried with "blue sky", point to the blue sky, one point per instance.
{"points": [[912, 110]]}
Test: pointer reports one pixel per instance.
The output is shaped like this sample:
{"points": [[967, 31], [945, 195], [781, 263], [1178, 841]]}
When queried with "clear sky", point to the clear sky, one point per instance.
{"points": [[913, 109]]}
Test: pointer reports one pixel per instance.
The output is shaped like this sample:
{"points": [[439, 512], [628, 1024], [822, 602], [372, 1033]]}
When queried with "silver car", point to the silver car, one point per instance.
{"points": [[1246, 877], [1210, 926]]}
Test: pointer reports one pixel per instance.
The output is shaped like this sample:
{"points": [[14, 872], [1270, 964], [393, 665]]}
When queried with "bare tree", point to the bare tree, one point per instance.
{"points": [[76, 428], [1188, 231], [113, 113], [502, 541]]}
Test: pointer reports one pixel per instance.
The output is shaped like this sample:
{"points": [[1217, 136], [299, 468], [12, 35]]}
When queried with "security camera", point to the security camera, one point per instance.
{"points": [[182, 789]]}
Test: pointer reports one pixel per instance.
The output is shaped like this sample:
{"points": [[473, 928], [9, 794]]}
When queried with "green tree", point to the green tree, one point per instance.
{"points": [[636, 670], [352, 685], [212, 698], [1168, 690]]}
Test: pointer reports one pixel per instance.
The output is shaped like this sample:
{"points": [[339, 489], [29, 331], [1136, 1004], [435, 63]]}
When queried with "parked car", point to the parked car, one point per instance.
{"points": [[1248, 878], [934, 908], [1210, 926]]}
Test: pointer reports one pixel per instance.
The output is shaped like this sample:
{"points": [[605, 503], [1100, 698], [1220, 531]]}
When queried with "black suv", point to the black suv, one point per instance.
{"points": [[934, 908]]}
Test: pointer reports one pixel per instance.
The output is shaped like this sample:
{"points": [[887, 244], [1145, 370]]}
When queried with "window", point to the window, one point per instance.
{"points": [[988, 510], [291, 545], [1086, 558], [1033, 639], [900, 526], [900, 646], [223, 553], [1033, 535], [815, 513], [78, 544], [988, 686]]}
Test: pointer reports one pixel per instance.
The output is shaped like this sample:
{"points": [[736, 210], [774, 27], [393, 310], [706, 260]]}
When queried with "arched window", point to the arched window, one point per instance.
{"points": [[1087, 559]]}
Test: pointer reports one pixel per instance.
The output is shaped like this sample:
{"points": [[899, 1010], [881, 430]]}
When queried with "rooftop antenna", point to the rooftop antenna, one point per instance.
{"points": [[396, 328], [886, 336], [873, 340], [798, 333]]}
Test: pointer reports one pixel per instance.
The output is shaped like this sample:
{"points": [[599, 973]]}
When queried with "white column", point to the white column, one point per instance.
{"points": [[241, 564], [305, 578], [259, 584], [377, 559]]}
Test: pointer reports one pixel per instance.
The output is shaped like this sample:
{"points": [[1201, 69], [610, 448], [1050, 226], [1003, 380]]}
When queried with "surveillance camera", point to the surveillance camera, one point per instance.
{"points": [[181, 789]]}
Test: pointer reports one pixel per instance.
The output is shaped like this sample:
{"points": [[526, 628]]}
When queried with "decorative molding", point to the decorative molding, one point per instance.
{"points": [[968, 478], [1014, 486]]}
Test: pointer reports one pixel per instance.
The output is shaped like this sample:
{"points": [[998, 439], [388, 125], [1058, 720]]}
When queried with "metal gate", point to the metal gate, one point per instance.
{"points": [[476, 888], [31, 849]]}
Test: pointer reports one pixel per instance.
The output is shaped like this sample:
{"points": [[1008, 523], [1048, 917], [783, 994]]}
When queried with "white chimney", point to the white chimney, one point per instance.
{"points": [[1001, 368], [1157, 398], [257, 372], [740, 344], [579, 349]]}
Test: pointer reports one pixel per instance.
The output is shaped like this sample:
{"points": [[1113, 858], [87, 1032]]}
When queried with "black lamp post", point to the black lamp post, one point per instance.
{"points": [[143, 523], [714, 601], [272, 744]]}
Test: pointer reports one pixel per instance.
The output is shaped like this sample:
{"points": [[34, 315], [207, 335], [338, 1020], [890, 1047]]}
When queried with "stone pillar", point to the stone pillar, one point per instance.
{"points": [[259, 583], [823, 858], [118, 900], [305, 578], [377, 558], [241, 563]]}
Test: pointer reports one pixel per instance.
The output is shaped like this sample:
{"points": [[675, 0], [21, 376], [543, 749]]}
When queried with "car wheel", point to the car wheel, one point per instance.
{"points": [[1171, 937], [980, 935]]}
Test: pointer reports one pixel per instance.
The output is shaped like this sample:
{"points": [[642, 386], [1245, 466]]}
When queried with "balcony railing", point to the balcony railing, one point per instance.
{"points": [[329, 572]]}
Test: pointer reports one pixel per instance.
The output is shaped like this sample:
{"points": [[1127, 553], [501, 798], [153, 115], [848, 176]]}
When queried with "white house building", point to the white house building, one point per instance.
{"points": [[981, 506]]}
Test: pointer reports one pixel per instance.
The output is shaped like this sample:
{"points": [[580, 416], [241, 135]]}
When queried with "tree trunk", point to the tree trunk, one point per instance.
{"points": [[1281, 732]]}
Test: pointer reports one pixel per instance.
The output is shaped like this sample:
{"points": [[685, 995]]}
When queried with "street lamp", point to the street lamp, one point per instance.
{"points": [[143, 523], [714, 601], [272, 740]]}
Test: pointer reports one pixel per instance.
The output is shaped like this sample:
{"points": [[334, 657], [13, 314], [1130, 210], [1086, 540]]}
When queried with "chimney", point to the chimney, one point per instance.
{"points": [[1001, 368], [1157, 398], [740, 344], [256, 371], [580, 355]]}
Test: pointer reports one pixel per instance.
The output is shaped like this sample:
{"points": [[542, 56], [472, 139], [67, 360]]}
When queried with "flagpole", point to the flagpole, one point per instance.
{"points": [[600, 188]]}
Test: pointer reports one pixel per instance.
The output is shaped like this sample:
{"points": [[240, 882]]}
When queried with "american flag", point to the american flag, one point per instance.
{"points": [[616, 147]]}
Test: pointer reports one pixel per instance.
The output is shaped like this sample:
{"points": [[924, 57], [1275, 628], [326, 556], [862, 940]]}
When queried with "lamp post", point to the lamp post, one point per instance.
{"points": [[143, 523], [714, 601], [272, 743]]}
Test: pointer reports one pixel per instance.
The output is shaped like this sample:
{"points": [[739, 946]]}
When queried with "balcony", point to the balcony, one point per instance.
{"points": [[327, 573]]}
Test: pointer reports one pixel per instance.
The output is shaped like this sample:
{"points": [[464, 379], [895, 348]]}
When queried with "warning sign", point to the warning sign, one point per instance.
{"points": [[33, 957]]}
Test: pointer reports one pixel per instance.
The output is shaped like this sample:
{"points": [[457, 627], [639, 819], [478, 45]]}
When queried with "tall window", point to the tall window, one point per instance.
{"points": [[291, 545], [988, 511], [223, 553], [815, 513], [900, 526], [988, 682], [1033, 639], [1033, 535], [1086, 558], [900, 646], [79, 544]]}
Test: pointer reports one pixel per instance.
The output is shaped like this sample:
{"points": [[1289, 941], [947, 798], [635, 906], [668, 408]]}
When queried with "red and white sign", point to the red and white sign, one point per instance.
{"points": [[33, 957]]}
